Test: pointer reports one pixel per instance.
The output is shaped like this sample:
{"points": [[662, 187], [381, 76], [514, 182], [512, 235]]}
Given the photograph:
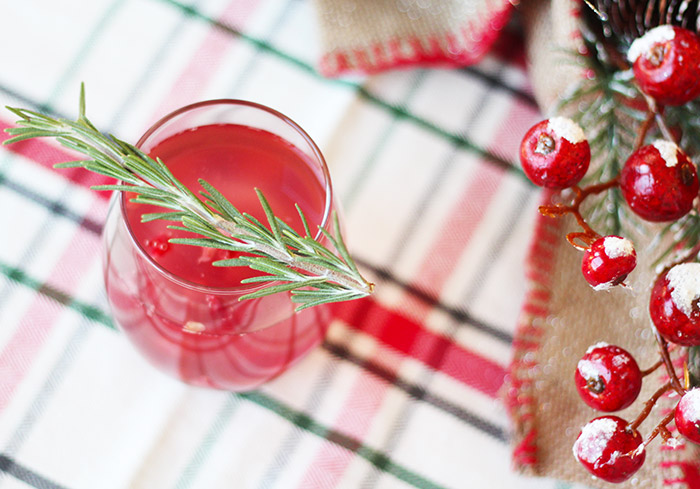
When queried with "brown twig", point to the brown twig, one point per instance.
{"points": [[588, 235], [644, 129], [668, 363], [649, 405], [653, 368], [661, 429]]}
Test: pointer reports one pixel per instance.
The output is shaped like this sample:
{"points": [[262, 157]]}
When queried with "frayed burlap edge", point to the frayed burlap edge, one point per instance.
{"points": [[369, 36], [562, 315]]}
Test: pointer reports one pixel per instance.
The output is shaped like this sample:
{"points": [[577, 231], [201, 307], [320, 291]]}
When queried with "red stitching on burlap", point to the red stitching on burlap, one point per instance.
{"points": [[689, 469], [438, 50], [691, 474], [519, 398], [525, 452]]}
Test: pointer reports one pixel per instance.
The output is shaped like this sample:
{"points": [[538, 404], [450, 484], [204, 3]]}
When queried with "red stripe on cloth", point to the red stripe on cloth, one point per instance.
{"points": [[355, 420], [206, 59], [406, 335], [41, 152], [80, 254], [17, 356], [459, 227], [410, 338], [519, 119], [19, 353]]}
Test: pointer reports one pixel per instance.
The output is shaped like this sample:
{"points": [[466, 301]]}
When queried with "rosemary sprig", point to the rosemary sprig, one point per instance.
{"points": [[290, 262]]}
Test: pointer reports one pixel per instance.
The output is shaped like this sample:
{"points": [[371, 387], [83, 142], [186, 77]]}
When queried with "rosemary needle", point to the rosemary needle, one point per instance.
{"points": [[291, 262]]}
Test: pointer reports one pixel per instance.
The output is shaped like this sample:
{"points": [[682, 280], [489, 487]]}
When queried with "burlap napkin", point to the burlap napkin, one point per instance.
{"points": [[366, 36], [562, 315]]}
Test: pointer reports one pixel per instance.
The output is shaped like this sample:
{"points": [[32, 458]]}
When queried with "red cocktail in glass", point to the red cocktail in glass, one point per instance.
{"points": [[180, 311]]}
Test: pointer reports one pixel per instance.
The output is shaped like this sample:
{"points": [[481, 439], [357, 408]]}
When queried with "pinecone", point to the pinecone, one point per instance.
{"points": [[625, 20]]}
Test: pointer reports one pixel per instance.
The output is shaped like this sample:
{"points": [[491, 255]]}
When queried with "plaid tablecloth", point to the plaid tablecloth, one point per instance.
{"points": [[404, 392]]}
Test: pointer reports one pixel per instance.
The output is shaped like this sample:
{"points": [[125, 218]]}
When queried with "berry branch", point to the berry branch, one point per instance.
{"points": [[588, 236], [650, 404], [668, 364], [658, 183]]}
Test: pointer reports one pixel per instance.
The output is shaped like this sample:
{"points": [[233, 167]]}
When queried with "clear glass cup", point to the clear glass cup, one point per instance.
{"points": [[197, 332]]}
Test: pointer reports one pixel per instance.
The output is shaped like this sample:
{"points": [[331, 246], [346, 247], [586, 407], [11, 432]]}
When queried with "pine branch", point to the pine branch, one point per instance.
{"points": [[613, 110], [601, 105], [291, 262]]}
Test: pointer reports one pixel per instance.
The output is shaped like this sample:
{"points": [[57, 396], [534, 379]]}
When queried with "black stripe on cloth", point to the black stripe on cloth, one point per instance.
{"points": [[396, 111], [44, 108], [418, 393], [498, 83], [507, 224], [458, 314], [414, 391], [52, 206], [26, 475]]}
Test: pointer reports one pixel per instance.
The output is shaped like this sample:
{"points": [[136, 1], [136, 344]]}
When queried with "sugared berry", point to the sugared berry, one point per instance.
{"points": [[608, 261], [659, 182], [608, 378], [688, 415], [555, 153], [609, 449], [666, 64], [674, 307]]}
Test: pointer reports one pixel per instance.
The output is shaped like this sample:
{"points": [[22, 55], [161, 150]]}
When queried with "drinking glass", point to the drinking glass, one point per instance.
{"points": [[198, 330]]}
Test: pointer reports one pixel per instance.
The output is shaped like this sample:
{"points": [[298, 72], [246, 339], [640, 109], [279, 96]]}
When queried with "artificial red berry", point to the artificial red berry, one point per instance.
{"points": [[608, 261], [666, 64], [610, 449], [659, 182], [608, 378], [688, 415], [555, 153], [674, 307]]}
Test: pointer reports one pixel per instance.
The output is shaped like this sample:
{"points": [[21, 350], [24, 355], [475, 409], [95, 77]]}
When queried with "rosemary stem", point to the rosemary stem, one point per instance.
{"points": [[304, 265], [282, 256]]}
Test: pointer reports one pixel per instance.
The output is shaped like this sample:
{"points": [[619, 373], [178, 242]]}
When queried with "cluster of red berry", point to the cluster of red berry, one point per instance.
{"points": [[660, 184]]}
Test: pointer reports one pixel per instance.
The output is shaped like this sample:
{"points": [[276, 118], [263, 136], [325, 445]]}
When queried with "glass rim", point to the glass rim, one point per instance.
{"points": [[240, 288]]}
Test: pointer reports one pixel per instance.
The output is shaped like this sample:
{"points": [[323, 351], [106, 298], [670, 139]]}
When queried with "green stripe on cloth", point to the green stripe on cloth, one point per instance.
{"points": [[362, 174], [380, 460], [195, 464], [91, 312], [81, 55], [375, 457], [458, 140]]}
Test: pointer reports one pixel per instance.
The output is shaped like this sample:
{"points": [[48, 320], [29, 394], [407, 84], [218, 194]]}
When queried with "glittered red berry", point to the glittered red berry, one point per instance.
{"points": [[609, 449], [688, 415], [666, 64], [659, 182], [608, 261], [608, 378], [555, 153], [674, 307]]}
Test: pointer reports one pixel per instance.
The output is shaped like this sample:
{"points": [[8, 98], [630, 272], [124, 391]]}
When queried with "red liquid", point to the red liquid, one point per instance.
{"points": [[188, 321]]}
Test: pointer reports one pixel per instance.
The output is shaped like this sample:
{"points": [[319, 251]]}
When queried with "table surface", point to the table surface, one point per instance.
{"points": [[404, 391]]}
